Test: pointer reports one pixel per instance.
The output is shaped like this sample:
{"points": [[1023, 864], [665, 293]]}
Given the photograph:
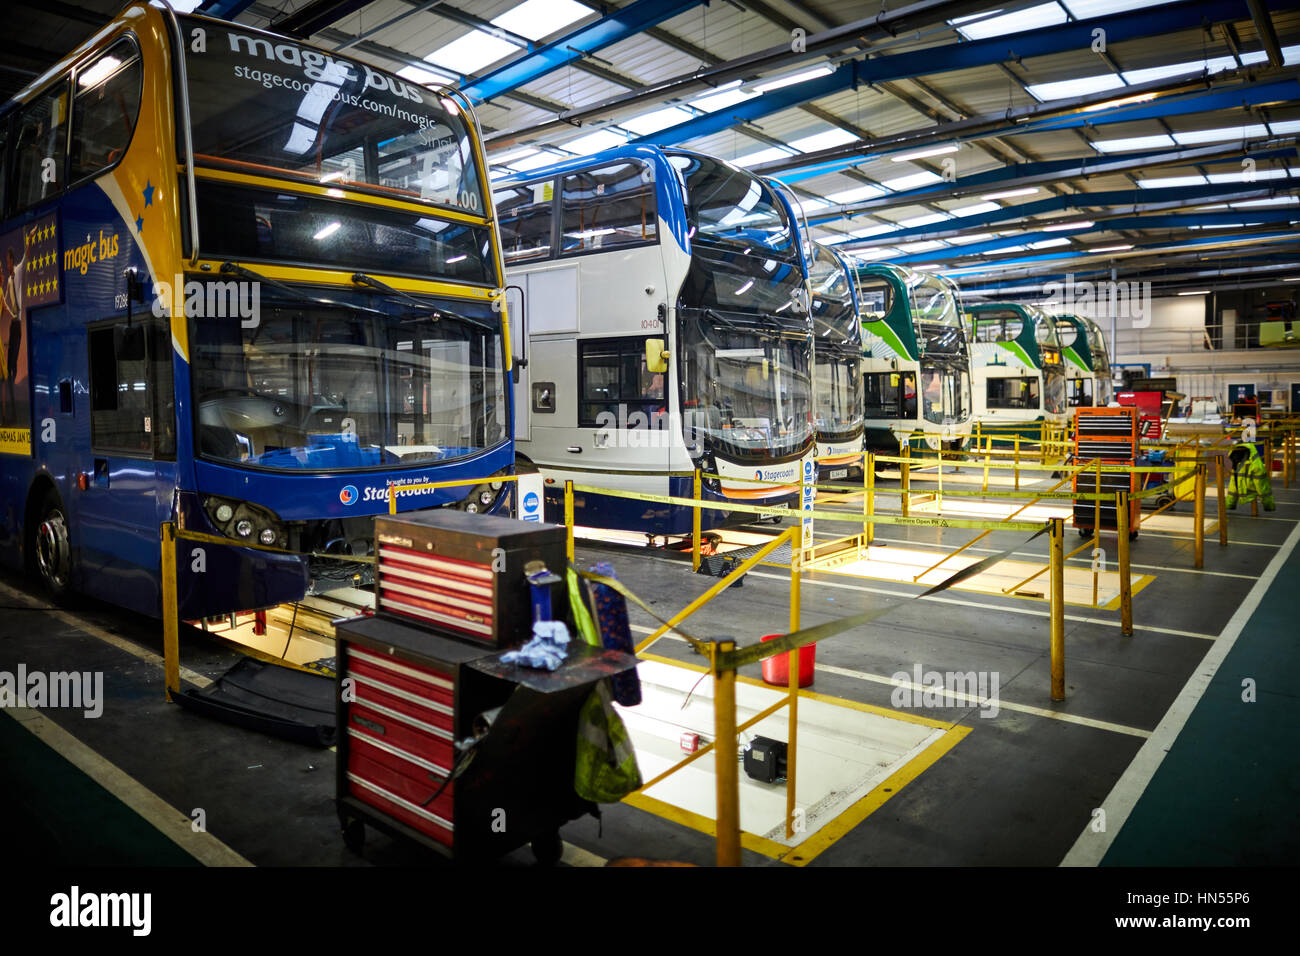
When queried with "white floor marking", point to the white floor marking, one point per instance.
{"points": [[1090, 847], [121, 643], [162, 816], [1001, 609]]}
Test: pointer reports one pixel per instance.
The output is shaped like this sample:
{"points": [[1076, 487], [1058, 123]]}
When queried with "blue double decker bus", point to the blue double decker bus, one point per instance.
{"points": [[248, 285]]}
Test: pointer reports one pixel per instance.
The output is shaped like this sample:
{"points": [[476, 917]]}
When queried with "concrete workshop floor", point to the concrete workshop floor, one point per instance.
{"points": [[1017, 789]]}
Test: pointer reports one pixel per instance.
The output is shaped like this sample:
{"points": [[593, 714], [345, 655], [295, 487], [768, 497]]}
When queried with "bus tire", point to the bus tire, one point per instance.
{"points": [[49, 540]]}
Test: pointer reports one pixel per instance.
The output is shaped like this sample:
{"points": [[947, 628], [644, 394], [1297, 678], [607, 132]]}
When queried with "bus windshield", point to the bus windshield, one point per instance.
{"points": [[271, 106], [727, 204], [945, 391], [327, 388], [837, 337], [1044, 328]]}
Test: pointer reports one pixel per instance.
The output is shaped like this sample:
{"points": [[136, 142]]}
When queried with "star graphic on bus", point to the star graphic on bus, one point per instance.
{"points": [[147, 192], [139, 223]]}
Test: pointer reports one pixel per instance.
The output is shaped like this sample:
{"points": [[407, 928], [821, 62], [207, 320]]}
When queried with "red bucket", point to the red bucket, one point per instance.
{"points": [[776, 669]]}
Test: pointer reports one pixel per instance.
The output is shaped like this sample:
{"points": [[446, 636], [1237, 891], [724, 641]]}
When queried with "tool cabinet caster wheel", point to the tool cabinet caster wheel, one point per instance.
{"points": [[1164, 500], [1132, 535], [1085, 532], [354, 835], [548, 849]]}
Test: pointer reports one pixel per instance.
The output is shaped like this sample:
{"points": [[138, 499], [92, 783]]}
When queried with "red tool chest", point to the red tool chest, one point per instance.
{"points": [[1108, 435]]}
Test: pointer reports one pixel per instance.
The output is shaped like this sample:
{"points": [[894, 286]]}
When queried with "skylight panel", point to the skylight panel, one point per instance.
{"points": [[1132, 142], [652, 122], [1289, 126], [975, 209], [1043, 15], [824, 140], [857, 194], [767, 86], [978, 237], [537, 161], [595, 142], [868, 231], [1049, 243], [1212, 65], [1079, 86], [926, 220], [472, 52], [762, 156], [1275, 201], [728, 95], [426, 77], [535, 19], [810, 205], [1224, 134], [834, 239], [873, 254], [1085, 9], [914, 181], [1240, 176], [1169, 182], [924, 246]]}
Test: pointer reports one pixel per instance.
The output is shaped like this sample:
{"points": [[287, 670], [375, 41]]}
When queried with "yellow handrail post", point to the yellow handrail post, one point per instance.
{"points": [[726, 769], [568, 519], [869, 499], [796, 576], [1223, 505], [392, 499], [988, 453], [1199, 515], [906, 476], [1017, 465], [1096, 528], [1125, 585], [1058, 609], [696, 493], [171, 614]]}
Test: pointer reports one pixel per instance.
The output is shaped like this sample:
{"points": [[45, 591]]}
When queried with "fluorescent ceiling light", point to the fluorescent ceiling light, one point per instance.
{"points": [[425, 77], [975, 209], [328, 231], [727, 95], [823, 140], [535, 19], [857, 194], [1132, 142], [1227, 133], [924, 220], [1240, 176], [1080, 86], [1043, 15], [1008, 193], [790, 80], [903, 183], [1196, 292], [595, 142], [1112, 248], [1122, 101], [1009, 249], [1275, 201], [652, 122], [1078, 224], [1049, 243], [471, 52], [762, 156], [1290, 126], [923, 153], [1170, 182]]}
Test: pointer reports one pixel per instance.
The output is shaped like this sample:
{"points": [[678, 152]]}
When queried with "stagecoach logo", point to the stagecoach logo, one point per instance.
{"points": [[780, 474], [348, 495]]}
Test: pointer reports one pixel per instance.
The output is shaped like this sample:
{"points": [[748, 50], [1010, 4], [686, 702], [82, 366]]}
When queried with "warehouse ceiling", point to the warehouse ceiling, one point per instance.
{"points": [[1002, 144]]}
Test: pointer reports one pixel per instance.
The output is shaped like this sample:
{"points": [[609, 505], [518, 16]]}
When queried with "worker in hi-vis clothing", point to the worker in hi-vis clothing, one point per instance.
{"points": [[1249, 477]]}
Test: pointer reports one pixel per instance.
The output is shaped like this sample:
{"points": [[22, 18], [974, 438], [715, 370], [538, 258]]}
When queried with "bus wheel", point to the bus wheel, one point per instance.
{"points": [[52, 546]]}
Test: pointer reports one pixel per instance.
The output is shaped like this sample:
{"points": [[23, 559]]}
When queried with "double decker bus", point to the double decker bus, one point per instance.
{"points": [[1019, 375], [837, 364], [916, 364], [249, 285], [661, 306], [1087, 366]]}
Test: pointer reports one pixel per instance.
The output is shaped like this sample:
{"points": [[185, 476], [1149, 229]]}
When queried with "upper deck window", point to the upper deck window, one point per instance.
{"points": [[40, 146], [608, 207], [273, 107], [728, 204], [526, 214], [105, 109]]}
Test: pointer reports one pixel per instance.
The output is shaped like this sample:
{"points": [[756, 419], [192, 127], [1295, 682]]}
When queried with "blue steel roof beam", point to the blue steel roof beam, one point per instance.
{"points": [[1279, 262], [315, 16], [618, 25], [223, 9], [1058, 170], [1229, 91]]}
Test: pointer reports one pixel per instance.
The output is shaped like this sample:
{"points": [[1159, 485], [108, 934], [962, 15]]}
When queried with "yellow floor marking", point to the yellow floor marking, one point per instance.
{"points": [[577, 856], [848, 818], [162, 816]]}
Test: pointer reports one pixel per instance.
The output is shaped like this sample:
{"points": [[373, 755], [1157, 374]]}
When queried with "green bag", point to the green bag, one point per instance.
{"points": [[606, 769]]}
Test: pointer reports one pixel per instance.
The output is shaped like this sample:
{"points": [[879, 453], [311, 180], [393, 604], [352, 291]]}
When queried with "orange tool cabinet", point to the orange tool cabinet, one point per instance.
{"points": [[1108, 435]]}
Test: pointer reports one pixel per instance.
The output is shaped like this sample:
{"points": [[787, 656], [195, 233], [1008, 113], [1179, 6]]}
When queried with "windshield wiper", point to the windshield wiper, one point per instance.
{"points": [[234, 268], [435, 312]]}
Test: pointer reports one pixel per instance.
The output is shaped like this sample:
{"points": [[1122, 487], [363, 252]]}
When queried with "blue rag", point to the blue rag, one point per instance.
{"points": [[616, 634], [546, 651]]}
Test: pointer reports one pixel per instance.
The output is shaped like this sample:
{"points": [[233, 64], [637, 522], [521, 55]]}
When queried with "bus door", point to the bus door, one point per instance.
{"points": [[130, 462], [519, 346]]}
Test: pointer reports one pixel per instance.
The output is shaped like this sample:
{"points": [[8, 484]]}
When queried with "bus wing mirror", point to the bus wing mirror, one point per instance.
{"points": [[656, 357]]}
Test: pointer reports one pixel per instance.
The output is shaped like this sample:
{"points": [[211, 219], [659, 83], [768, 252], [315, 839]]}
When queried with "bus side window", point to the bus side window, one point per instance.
{"points": [[131, 405], [526, 214], [105, 110], [608, 207], [613, 379], [40, 147]]}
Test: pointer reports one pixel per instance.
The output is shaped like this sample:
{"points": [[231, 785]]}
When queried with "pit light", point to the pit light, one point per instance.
{"points": [[267, 537], [244, 528]]}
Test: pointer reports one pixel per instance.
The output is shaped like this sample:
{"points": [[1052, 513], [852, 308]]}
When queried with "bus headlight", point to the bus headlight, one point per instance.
{"points": [[484, 496], [245, 521]]}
